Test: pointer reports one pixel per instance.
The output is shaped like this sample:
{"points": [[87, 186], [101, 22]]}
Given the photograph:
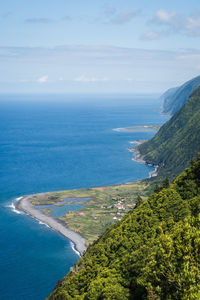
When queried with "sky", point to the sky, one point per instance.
{"points": [[98, 46]]}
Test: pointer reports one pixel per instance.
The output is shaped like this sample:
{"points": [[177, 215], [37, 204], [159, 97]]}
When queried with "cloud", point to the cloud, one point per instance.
{"points": [[43, 79], [85, 79], [38, 20], [192, 24], [109, 10], [163, 16], [112, 16], [174, 23], [66, 18], [124, 17], [80, 57], [96, 68], [150, 35]]}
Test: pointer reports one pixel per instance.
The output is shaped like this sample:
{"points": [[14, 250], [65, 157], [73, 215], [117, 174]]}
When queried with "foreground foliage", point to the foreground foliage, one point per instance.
{"points": [[153, 253]]}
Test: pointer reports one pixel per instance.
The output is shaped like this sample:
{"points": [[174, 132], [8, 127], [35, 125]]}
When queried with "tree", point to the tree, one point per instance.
{"points": [[157, 188], [172, 271], [165, 183], [138, 201]]}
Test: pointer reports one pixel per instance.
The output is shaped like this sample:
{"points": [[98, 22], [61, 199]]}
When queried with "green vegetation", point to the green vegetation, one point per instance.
{"points": [[105, 206], [152, 249], [175, 98], [177, 141], [152, 253], [46, 211]]}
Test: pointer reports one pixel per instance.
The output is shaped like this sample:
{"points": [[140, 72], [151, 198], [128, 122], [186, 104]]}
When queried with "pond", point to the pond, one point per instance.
{"points": [[61, 208]]}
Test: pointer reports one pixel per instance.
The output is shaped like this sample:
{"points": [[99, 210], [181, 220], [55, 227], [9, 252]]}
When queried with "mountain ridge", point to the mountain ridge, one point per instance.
{"points": [[175, 98], [177, 141]]}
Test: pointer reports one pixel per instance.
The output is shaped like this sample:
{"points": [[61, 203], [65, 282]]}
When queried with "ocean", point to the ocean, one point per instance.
{"points": [[57, 142]]}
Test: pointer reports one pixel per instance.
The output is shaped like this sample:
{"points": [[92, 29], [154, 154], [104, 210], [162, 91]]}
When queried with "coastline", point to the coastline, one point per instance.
{"points": [[143, 128], [139, 158], [25, 205], [78, 242]]}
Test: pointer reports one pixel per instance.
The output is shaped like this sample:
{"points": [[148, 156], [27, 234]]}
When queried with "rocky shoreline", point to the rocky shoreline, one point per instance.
{"points": [[139, 158]]}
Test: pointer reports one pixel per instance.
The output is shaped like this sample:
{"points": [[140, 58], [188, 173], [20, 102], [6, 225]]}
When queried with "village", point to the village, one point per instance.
{"points": [[122, 207], [104, 206]]}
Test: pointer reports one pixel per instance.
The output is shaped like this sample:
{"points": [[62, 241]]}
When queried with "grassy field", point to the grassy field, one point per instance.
{"points": [[106, 205]]}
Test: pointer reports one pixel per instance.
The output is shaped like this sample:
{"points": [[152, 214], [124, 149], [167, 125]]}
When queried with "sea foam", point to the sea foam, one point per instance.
{"points": [[42, 223], [73, 248], [12, 206], [118, 129]]}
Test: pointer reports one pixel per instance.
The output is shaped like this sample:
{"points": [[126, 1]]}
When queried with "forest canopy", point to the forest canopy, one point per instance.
{"points": [[152, 253]]}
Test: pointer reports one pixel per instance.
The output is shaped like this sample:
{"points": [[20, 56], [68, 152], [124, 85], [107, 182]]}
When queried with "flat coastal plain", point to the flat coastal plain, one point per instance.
{"points": [[105, 206]]}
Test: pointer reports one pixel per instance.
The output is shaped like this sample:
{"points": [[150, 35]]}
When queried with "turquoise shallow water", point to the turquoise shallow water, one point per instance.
{"points": [[56, 142]]}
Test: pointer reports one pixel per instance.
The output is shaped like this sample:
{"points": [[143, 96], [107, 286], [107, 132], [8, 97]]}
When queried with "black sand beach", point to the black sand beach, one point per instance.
{"points": [[25, 205]]}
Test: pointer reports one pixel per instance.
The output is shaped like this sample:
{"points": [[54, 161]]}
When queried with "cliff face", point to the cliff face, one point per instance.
{"points": [[166, 98], [175, 98], [153, 253], [177, 141]]}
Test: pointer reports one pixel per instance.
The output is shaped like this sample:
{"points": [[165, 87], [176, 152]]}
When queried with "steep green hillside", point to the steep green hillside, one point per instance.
{"points": [[177, 141], [153, 253], [175, 98]]}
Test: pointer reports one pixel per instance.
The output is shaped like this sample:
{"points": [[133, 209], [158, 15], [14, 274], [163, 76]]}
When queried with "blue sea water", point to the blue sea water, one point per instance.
{"points": [[56, 142]]}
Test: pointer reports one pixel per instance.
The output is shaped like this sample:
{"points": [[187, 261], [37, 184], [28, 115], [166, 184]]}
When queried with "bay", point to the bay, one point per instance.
{"points": [[51, 143]]}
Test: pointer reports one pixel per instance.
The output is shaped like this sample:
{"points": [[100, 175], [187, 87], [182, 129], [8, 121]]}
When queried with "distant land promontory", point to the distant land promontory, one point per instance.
{"points": [[177, 141], [175, 98]]}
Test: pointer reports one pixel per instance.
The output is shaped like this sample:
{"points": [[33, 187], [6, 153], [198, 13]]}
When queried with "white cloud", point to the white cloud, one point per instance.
{"points": [[83, 78], [43, 79], [96, 68], [192, 24], [165, 16], [175, 23]]}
